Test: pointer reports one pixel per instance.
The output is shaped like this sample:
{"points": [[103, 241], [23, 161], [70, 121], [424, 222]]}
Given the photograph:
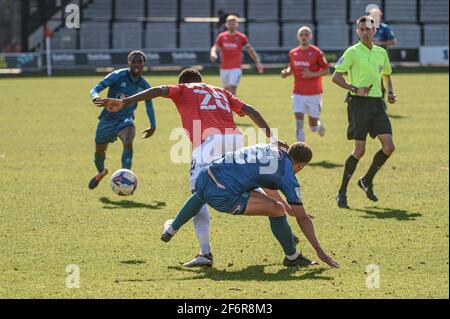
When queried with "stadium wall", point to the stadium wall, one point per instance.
{"points": [[93, 60]]}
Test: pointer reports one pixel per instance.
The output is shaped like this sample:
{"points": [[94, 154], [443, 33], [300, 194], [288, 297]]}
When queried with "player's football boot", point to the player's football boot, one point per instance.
{"points": [[341, 201], [321, 130], [93, 183], [300, 261], [200, 261], [368, 189], [166, 236]]}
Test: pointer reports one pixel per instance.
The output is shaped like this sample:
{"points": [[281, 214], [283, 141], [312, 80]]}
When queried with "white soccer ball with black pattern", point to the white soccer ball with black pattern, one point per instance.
{"points": [[123, 182]]}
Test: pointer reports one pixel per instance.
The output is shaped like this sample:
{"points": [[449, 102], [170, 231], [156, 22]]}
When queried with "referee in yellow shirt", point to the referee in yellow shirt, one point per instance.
{"points": [[365, 64]]}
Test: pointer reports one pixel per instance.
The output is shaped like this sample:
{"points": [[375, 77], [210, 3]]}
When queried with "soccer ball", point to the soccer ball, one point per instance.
{"points": [[123, 182]]}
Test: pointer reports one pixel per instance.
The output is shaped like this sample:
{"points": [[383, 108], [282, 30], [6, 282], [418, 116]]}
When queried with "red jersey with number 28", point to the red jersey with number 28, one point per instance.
{"points": [[312, 59], [205, 110]]}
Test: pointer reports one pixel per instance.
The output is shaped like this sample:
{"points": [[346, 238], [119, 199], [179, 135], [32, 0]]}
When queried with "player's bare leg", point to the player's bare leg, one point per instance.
{"points": [[126, 135], [260, 204], [299, 126], [387, 148], [316, 125], [349, 169], [232, 89], [99, 159]]}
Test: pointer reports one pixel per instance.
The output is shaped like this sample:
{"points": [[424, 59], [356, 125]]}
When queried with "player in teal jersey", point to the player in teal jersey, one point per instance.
{"points": [[121, 83]]}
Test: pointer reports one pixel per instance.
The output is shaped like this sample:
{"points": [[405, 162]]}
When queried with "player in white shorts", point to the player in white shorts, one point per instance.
{"points": [[308, 65], [231, 43]]}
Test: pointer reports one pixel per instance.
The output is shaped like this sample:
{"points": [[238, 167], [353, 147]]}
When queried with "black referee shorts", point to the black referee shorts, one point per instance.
{"points": [[366, 115]]}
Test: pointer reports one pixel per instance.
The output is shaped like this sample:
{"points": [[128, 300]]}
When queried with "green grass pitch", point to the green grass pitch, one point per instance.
{"points": [[49, 219]]}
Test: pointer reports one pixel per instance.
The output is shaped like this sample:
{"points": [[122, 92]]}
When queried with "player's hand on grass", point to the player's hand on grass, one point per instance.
{"points": [[327, 259], [148, 132], [392, 97], [260, 67]]}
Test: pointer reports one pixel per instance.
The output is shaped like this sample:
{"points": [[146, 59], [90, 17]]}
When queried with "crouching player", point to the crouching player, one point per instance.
{"points": [[121, 83], [231, 184]]}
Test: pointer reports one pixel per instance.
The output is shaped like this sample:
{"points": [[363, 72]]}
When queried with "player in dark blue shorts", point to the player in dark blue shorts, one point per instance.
{"points": [[232, 184], [121, 83]]}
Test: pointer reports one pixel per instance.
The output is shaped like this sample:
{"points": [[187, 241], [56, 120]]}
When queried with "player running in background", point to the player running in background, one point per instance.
{"points": [[206, 115], [231, 184], [308, 65], [230, 44], [121, 83]]}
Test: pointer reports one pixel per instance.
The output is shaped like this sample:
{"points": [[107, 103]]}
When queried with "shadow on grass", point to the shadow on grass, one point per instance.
{"points": [[397, 117], [125, 203], [325, 164], [388, 213], [254, 273], [133, 262]]}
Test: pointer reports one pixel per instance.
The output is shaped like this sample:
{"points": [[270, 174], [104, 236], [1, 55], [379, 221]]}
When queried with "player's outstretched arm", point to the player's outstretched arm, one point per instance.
{"points": [[307, 227], [145, 95], [115, 105], [258, 119]]}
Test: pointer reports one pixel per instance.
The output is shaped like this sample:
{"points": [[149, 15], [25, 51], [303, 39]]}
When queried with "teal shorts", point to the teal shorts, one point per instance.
{"points": [[107, 129], [220, 198]]}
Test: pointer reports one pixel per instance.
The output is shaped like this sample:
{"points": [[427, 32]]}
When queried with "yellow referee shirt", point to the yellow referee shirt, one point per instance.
{"points": [[365, 66]]}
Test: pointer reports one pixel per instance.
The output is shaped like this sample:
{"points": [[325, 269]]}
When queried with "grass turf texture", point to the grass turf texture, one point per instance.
{"points": [[50, 219]]}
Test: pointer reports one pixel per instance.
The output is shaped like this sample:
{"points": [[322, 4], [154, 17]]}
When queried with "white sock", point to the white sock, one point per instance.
{"points": [[292, 257], [171, 231], [201, 225], [299, 131]]}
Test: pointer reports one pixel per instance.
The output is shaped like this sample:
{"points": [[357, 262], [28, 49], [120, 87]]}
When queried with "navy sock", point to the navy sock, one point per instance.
{"points": [[349, 169], [99, 160], [127, 158], [188, 211], [283, 233]]}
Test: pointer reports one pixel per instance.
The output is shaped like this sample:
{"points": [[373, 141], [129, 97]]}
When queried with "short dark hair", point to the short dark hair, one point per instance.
{"points": [[300, 152], [136, 52], [364, 19], [190, 75]]}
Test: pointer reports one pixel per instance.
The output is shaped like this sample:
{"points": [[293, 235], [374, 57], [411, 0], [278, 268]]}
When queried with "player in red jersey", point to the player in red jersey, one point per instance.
{"points": [[206, 115], [231, 43], [308, 65]]}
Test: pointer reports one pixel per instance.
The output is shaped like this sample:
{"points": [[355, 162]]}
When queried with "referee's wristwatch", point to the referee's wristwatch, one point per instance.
{"points": [[354, 89]]}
